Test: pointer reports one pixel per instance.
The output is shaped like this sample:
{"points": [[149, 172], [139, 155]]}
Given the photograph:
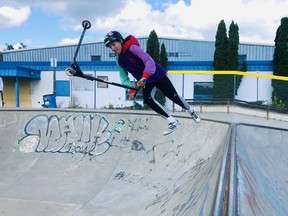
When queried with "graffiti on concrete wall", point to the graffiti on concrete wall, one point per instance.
{"points": [[91, 135], [85, 134], [136, 125]]}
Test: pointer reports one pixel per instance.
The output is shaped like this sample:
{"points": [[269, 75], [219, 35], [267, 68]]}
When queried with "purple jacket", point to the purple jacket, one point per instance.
{"points": [[135, 61]]}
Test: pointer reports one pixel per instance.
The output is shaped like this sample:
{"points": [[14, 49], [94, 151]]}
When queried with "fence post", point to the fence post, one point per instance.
{"points": [[200, 104], [228, 106]]}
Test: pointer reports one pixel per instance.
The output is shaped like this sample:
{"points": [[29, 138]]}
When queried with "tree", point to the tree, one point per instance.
{"points": [[163, 57], [233, 47], [233, 81], [18, 46], [220, 60], [159, 96], [239, 77], [152, 48], [280, 59], [9, 46], [226, 57]]}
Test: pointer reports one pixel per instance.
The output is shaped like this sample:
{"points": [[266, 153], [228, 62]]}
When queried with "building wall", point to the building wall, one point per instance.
{"points": [[9, 92], [25, 92], [83, 93], [41, 87], [88, 95], [251, 89], [256, 89], [177, 50]]}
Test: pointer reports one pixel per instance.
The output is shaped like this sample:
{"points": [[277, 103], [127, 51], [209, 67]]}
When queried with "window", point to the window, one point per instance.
{"points": [[172, 54], [95, 57], [112, 54], [102, 84], [203, 90], [80, 84]]}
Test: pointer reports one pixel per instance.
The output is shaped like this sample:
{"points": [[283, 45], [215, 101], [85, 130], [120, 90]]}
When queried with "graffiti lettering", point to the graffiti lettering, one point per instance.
{"points": [[135, 126], [84, 134]]}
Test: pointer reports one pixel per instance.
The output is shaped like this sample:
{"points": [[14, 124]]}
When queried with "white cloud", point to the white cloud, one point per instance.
{"points": [[67, 41], [11, 17], [257, 20]]}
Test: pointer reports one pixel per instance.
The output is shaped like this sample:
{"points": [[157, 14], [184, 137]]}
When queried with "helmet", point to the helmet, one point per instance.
{"points": [[111, 37]]}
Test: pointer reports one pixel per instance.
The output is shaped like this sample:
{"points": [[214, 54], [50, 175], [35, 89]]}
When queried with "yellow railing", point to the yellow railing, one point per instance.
{"points": [[203, 72]]}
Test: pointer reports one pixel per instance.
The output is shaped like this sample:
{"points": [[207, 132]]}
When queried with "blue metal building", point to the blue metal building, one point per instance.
{"points": [[182, 55], [177, 50]]}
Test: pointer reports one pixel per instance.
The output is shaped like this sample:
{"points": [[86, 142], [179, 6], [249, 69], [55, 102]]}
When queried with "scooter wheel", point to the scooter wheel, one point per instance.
{"points": [[70, 72], [86, 24]]}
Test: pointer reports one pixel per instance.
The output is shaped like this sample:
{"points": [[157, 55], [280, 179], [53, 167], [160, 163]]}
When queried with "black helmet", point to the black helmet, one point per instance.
{"points": [[111, 37]]}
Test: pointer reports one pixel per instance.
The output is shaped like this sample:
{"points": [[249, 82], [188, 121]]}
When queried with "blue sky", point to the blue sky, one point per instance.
{"points": [[42, 23], [38, 30]]}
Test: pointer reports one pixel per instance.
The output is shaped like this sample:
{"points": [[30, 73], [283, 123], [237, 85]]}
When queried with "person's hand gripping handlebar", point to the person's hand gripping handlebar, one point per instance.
{"points": [[142, 82]]}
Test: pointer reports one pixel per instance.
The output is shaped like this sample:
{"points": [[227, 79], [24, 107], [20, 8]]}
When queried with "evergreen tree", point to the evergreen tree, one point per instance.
{"points": [[163, 57], [152, 48], [233, 47], [240, 77], [280, 58], [226, 57], [163, 60], [9, 46], [220, 61], [233, 59]]}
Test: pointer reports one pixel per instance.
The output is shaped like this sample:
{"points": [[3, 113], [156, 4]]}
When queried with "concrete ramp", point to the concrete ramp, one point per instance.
{"points": [[71, 163], [262, 171]]}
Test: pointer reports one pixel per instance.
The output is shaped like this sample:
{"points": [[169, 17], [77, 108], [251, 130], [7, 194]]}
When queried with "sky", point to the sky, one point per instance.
{"points": [[48, 23]]}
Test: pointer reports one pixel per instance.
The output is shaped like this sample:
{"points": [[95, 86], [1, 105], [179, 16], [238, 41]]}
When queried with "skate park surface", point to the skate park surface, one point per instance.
{"points": [[104, 163]]}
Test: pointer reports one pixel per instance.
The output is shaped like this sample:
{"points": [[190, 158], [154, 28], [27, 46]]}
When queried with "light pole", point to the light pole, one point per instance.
{"points": [[53, 64], [257, 87], [234, 86]]}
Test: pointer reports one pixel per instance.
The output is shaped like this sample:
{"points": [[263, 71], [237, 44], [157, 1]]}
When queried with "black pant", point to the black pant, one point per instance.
{"points": [[2, 100], [167, 88]]}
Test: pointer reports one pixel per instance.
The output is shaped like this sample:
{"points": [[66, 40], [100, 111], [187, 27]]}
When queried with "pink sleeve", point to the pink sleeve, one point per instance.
{"points": [[149, 63]]}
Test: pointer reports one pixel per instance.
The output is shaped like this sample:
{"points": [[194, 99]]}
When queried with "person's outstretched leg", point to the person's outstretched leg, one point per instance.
{"points": [[148, 97], [169, 91], [2, 99]]}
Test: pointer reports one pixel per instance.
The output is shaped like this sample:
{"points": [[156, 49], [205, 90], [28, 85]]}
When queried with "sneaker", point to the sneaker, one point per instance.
{"points": [[195, 116], [172, 127]]}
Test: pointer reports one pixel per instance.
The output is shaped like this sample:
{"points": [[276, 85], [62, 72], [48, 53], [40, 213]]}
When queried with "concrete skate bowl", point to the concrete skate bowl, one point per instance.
{"points": [[259, 171], [80, 163]]}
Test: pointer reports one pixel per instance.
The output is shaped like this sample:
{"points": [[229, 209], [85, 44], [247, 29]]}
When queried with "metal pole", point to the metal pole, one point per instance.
{"points": [[17, 92], [257, 88], [183, 88], [53, 64], [54, 80], [95, 95], [182, 85], [234, 87]]}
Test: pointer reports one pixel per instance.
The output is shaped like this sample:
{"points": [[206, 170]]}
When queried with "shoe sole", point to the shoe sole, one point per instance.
{"points": [[178, 126]]}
